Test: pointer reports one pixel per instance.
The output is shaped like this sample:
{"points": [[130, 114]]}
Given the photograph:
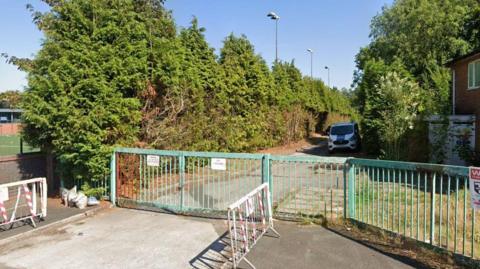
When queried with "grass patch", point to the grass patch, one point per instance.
{"points": [[10, 145], [409, 251], [406, 209]]}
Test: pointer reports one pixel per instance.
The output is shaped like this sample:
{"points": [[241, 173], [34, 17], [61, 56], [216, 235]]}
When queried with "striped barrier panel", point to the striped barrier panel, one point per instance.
{"points": [[23, 200], [249, 219]]}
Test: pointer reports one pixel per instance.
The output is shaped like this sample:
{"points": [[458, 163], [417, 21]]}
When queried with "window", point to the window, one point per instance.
{"points": [[342, 130], [474, 75]]}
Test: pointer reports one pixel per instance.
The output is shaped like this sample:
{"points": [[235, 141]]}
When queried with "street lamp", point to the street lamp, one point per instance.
{"points": [[275, 17], [328, 69], [311, 62]]}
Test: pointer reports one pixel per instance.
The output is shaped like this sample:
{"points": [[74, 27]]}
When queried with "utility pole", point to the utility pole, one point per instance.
{"points": [[275, 17], [311, 62], [328, 70]]}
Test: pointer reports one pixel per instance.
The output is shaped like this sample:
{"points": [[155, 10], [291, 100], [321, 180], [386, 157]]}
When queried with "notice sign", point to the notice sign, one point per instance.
{"points": [[153, 160], [3, 194], [219, 164], [475, 186]]}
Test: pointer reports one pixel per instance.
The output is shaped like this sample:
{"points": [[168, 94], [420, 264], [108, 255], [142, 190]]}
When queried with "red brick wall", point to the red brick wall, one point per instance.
{"points": [[10, 128], [467, 101], [21, 167]]}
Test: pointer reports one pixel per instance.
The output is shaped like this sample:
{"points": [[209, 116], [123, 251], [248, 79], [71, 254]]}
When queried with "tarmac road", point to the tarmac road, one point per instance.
{"points": [[123, 238]]}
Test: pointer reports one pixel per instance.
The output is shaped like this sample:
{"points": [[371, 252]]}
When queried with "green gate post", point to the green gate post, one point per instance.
{"points": [[345, 215], [181, 163], [113, 178], [351, 190], [266, 175], [432, 211]]}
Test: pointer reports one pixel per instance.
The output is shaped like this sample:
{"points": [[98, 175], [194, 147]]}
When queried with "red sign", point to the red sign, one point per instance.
{"points": [[475, 173], [475, 187]]}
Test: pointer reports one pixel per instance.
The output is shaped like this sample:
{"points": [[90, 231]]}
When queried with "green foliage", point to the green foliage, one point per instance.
{"points": [[470, 156], [471, 31], [10, 99], [370, 102], [414, 38], [401, 98], [81, 99], [116, 72], [289, 85], [90, 191]]}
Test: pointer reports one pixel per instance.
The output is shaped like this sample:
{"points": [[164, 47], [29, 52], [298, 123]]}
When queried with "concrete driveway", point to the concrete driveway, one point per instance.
{"points": [[122, 238]]}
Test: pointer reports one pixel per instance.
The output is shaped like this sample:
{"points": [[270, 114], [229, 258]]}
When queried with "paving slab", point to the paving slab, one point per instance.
{"points": [[56, 211], [115, 238]]}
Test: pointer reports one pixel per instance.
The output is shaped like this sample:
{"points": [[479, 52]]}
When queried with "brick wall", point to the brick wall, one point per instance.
{"points": [[14, 168], [467, 101], [10, 128]]}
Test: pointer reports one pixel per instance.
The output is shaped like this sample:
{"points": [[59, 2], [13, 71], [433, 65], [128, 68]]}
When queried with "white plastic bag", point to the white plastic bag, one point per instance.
{"points": [[68, 195], [81, 200]]}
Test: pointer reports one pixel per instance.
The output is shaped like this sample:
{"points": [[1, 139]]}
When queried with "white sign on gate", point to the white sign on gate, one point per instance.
{"points": [[153, 160], [3, 194], [219, 164], [475, 187]]}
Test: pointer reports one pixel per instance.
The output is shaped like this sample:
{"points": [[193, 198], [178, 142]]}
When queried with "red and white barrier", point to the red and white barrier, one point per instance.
{"points": [[249, 219], [23, 200]]}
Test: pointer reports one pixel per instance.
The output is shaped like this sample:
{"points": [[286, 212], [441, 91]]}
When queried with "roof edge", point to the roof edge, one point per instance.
{"points": [[457, 59]]}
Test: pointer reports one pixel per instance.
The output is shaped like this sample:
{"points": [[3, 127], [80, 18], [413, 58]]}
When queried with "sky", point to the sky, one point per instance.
{"points": [[334, 29]]}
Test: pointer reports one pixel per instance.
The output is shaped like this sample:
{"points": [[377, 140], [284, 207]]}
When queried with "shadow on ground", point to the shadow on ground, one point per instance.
{"points": [[378, 248], [303, 246], [312, 246], [214, 256]]}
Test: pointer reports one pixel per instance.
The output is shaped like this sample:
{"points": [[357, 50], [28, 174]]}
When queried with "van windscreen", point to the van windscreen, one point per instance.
{"points": [[342, 130]]}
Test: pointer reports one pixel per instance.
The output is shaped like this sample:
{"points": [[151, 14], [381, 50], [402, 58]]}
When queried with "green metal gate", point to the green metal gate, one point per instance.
{"points": [[189, 182], [305, 186], [426, 202], [184, 182]]}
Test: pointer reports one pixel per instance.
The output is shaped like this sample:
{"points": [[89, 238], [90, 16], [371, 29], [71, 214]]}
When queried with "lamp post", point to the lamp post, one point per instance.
{"points": [[275, 17], [311, 62], [328, 70]]}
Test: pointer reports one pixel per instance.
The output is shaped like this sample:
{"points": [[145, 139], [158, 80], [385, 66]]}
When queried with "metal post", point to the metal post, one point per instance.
{"points": [[276, 40], [113, 178], [351, 190], [181, 165], [345, 215], [265, 168], [432, 211], [329, 77], [275, 17], [266, 174], [311, 65]]}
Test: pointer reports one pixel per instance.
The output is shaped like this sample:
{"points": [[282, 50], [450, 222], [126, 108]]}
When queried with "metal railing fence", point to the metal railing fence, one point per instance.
{"points": [[307, 186], [184, 181], [426, 202]]}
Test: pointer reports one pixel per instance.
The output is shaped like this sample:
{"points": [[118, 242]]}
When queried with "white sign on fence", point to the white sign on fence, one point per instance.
{"points": [[219, 164], [3, 194], [153, 160], [475, 187]]}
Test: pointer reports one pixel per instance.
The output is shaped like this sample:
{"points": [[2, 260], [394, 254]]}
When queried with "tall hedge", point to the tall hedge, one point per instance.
{"points": [[119, 72]]}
